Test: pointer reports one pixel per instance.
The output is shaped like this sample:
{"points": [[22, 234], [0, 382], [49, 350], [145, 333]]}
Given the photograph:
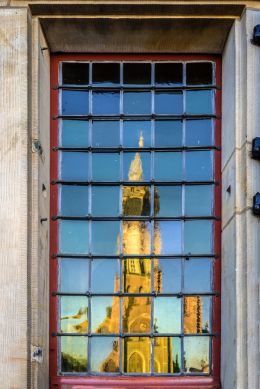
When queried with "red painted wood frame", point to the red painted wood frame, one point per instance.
{"points": [[91, 382]]}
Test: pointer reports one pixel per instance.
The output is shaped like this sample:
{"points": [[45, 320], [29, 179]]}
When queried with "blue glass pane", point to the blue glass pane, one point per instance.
{"points": [[74, 275], [168, 133], [168, 271], [73, 166], [105, 238], [74, 133], [103, 349], [73, 200], [136, 103], [197, 276], [105, 134], [199, 132], [168, 201], [170, 103], [74, 314], [167, 315], [167, 166], [105, 200], [198, 237], [105, 167], [167, 237], [137, 134], [196, 350], [75, 102], [199, 166], [105, 276], [199, 102], [105, 103], [198, 200], [73, 236], [74, 354], [137, 166]]}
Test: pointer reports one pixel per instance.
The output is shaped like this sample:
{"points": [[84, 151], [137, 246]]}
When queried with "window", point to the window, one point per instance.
{"points": [[135, 207]]}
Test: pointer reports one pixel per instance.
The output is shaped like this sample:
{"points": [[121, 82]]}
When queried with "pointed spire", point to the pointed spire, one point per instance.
{"points": [[136, 169]]}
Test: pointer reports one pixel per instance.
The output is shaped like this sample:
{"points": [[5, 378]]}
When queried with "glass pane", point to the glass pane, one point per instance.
{"points": [[136, 201], [137, 133], [167, 315], [137, 166], [137, 355], [105, 73], [75, 102], [167, 275], [74, 133], [136, 315], [137, 73], [168, 133], [199, 73], [105, 276], [167, 355], [199, 166], [137, 275], [73, 236], [168, 201], [198, 237], [105, 166], [199, 132], [196, 354], [167, 237], [75, 73], [105, 238], [136, 103], [105, 103], [196, 314], [198, 200], [170, 103], [74, 314], [105, 315], [105, 354], [168, 74], [105, 133], [73, 200], [197, 276], [199, 102], [167, 166], [136, 238], [74, 354], [105, 200], [73, 166], [74, 275]]}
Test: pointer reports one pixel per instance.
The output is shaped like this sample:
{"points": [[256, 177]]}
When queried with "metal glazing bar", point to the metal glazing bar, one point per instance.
{"points": [[136, 117], [134, 150], [185, 256], [153, 294], [128, 87], [135, 183], [135, 335], [133, 218]]}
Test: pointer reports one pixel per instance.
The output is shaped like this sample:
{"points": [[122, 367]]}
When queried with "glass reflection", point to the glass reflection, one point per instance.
{"points": [[170, 103], [136, 314], [136, 201], [75, 102], [168, 133], [199, 132], [74, 354], [105, 237], [75, 73], [137, 133], [168, 74], [73, 200], [137, 355], [136, 238], [137, 166], [198, 200], [198, 237], [168, 166], [167, 237], [196, 311], [199, 165], [105, 133], [73, 166], [73, 237], [167, 275], [74, 133], [106, 73], [74, 275], [137, 73], [105, 353], [199, 73], [197, 275], [105, 314], [199, 102], [105, 166], [74, 314], [105, 276], [136, 103], [105, 103], [137, 275], [168, 201], [167, 315], [105, 200], [196, 354], [167, 355]]}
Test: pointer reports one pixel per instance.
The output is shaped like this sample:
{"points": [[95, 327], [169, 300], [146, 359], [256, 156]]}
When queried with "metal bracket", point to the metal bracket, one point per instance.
{"points": [[36, 354], [36, 146]]}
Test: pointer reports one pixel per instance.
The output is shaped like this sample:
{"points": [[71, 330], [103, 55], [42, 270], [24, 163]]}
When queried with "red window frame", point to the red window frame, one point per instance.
{"points": [[91, 382]]}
